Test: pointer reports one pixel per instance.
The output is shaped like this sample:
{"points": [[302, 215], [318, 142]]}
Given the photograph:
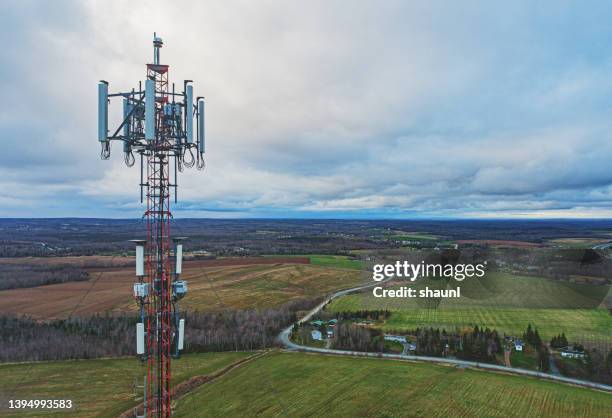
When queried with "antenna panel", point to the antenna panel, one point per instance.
{"points": [[189, 113], [102, 112], [127, 108], [201, 128], [150, 110]]}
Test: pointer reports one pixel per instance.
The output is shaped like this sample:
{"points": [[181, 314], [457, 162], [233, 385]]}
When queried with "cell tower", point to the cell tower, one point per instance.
{"points": [[158, 125]]}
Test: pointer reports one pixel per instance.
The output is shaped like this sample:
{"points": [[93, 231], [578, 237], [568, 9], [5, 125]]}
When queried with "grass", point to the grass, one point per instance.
{"points": [[526, 359], [287, 384], [334, 261], [506, 303], [394, 347], [100, 387], [578, 325], [337, 261]]}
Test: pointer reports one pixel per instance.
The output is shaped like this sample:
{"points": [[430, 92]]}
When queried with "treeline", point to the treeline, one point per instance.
{"points": [[14, 276], [596, 365], [355, 338], [468, 344], [474, 344], [240, 330], [373, 314], [559, 341], [24, 339], [532, 336]]}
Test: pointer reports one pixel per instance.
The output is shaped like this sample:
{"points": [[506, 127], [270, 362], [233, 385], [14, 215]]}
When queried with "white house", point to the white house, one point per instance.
{"points": [[316, 335], [518, 345]]}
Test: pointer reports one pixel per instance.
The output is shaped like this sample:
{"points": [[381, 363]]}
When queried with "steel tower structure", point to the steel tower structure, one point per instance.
{"points": [[157, 125]]}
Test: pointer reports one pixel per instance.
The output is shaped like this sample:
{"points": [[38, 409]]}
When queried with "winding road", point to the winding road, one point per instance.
{"points": [[283, 339]]}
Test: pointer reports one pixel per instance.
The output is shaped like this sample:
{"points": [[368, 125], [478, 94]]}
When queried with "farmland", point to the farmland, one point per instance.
{"points": [[336, 261], [506, 303], [294, 384], [577, 242], [264, 286], [97, 387], [579, 325], [213, 285], [311, 385]]}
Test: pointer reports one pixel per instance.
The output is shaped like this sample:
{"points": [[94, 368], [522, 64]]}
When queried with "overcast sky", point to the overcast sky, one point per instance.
{"points": [[320, 108]]}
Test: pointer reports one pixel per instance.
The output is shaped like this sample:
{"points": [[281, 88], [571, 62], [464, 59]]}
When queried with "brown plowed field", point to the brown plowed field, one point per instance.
{"points": [[213, 285]]}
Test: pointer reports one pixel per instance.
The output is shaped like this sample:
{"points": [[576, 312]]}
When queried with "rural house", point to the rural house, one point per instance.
{"points": [[397, 338], [572, 353], [518, 345]]}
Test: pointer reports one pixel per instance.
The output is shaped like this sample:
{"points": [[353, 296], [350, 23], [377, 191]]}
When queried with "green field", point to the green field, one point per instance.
{"points": [[293, 384], [96, 387], [335, 261], [338, 261], [506, 303], [415, 237], [287, 384], [578, 324]]}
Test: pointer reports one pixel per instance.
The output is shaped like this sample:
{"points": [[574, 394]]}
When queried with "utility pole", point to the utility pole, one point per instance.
{"points": [[158, 126]]}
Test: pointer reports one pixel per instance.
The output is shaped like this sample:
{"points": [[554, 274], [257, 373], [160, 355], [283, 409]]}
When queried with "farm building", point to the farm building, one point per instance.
{"points": [[571, 353], [316, 335], [397, 338]]}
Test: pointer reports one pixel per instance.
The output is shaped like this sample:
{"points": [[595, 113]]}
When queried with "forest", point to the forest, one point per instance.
{"points": [[24, 339], [20, 275]]}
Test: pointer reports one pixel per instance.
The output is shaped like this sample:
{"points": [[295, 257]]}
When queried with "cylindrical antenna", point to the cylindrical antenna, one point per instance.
{"points": [[157, 44]]}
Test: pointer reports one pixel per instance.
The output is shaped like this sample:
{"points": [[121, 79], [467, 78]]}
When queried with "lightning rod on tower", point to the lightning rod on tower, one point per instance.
{"points": [[158, 126]]}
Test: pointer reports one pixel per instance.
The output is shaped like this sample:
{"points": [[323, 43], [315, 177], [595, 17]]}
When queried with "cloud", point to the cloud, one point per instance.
{"points": [[320, 108]]}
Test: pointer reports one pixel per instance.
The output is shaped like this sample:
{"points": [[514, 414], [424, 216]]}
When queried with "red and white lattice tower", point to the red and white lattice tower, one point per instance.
{"points": [[158, 124]]}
